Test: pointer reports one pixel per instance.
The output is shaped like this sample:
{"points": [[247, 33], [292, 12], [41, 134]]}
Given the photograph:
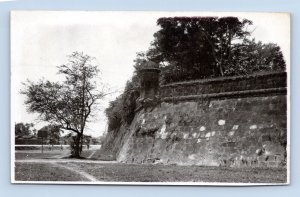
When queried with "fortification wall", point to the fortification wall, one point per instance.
{"points": [[234, 122], [268, 81]]}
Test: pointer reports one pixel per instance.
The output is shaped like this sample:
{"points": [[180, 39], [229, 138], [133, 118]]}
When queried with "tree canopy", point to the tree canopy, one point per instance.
{"points": [[50, 132], [70, 103], [201, 47], [23, 129]]}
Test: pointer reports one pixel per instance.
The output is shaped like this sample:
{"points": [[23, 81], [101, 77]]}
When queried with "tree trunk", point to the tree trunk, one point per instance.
{"points": [[42, 145], [77, 146], [81, 142]]}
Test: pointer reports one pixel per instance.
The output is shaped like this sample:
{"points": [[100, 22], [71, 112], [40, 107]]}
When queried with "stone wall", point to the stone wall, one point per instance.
{"points": [[235, 121], [231, 132], [223, 85]]}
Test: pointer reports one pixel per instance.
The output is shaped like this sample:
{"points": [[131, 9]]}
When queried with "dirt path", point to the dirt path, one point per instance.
{"points": [[67, 164], [74, 169], [92, 154]]}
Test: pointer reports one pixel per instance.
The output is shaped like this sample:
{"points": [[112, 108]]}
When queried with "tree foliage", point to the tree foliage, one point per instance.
{"points": [[201, 47], [69, 103], [121, 110], [253, 57], [50, 132], [22, 129]]}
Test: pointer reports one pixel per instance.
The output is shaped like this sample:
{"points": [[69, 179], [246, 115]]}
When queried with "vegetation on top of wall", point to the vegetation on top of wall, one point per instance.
{"points": [[191, 48], [121, 110], [188, 48]]}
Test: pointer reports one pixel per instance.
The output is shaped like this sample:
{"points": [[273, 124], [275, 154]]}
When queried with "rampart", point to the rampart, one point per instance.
{"points": [[250, 85], [231, 121]]}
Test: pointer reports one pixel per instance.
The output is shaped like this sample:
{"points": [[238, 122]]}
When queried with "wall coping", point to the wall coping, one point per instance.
{"points": [[225, 79], [223, 95]]}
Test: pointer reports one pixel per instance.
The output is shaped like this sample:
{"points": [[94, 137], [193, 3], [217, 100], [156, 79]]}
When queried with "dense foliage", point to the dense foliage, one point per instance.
{"points": [[51, 133], [122, 109], [24, 129], [188, 48], [202, 47]]}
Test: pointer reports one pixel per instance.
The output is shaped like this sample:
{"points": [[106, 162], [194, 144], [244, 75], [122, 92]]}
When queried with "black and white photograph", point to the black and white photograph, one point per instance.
{"points": [[150, 98]]}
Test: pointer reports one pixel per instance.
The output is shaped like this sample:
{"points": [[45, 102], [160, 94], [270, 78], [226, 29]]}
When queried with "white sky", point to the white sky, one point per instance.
{"points": [[41, 40]]}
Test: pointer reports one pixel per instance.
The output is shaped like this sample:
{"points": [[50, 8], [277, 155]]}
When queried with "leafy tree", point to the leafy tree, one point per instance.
{"points": [[68, 104], [51, 132], [121, 110], [113, 115], [201, 47], [34, 132], [252, 57], [86, 140], [22, 129], [43, 135]]}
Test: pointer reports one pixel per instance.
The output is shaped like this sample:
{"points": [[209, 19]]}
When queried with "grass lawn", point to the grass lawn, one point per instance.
{"points": [[44, 172], [173, 173], [147, 173], [118, 172]]}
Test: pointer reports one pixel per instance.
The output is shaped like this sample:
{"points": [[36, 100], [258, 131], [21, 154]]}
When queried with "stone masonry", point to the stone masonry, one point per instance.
{"points": [[231, 121]]}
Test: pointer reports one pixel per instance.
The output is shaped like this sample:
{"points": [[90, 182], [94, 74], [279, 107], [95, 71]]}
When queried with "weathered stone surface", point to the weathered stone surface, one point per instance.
{"points": [[227, 138], [235, 121]]}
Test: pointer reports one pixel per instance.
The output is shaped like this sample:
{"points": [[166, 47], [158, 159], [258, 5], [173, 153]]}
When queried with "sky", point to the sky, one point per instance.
{"points": [[42, 40]]}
